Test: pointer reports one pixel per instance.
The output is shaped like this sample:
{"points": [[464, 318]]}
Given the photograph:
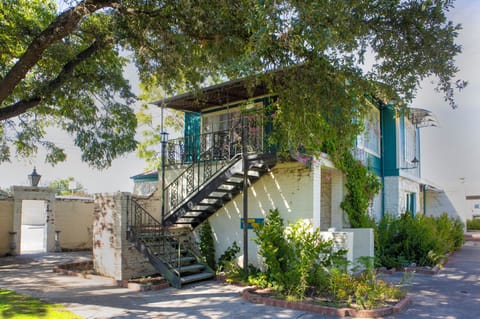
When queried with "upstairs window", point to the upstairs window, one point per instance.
{"points": [[369, 141], [410, 151]]}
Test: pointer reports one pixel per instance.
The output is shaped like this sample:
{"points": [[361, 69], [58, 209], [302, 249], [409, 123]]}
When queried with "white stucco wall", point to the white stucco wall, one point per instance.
{"points": [[74, 220], [363, 242], [288, 187]]}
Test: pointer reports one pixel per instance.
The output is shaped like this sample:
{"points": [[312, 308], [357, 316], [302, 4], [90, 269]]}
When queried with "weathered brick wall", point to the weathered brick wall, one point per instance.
{"points": [[113, 255]]}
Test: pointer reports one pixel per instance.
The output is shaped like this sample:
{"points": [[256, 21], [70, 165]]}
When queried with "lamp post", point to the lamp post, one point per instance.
{"points": [[164, 154], [34, 177]]}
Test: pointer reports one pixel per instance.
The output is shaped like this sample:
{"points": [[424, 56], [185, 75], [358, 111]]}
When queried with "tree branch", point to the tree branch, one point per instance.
{"points": [[22, 106], [62, 26]]}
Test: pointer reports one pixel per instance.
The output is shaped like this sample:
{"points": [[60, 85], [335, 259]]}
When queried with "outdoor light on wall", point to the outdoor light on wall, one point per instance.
{"points": [[414, 162], [34, 178]]}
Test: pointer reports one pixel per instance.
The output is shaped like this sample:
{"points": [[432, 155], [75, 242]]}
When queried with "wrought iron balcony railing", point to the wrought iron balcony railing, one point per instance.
{"points": [[219, 145]]}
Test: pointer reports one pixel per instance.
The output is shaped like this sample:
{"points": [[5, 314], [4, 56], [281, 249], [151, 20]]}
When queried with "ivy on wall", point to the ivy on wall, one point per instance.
{"points": [[362, 185]]}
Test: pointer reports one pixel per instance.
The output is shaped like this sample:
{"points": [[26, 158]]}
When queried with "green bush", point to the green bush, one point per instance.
{"points": [[473, 224], [299, 264], [422, 240], [207, 244], [228, 256]]}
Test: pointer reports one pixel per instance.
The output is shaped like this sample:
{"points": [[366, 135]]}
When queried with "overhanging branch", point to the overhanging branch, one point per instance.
{"points": [[61, 27], [24, 105]]}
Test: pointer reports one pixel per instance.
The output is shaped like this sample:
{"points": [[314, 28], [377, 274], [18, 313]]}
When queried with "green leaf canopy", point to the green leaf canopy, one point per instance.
{"points": [[65, 69]]}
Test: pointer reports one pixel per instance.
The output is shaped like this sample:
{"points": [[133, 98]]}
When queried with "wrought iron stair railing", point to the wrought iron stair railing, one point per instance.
{"points": [[175, 259], [208, 156]]}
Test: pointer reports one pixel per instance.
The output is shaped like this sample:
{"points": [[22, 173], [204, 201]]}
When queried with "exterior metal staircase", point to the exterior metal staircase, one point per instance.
{"points": [[212, 176], [190, 202], [175, 259]]}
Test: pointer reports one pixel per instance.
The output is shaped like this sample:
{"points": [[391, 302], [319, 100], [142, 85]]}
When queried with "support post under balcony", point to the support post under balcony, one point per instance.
{"points": [[164, 145], [245, 195]]}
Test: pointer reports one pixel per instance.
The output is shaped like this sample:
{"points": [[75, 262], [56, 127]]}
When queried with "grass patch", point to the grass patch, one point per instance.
{"points": [[18, 306]]}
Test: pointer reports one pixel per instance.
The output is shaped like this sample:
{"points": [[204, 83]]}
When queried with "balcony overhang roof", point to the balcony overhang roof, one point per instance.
{"points": [[215, 95], [422, 118]]}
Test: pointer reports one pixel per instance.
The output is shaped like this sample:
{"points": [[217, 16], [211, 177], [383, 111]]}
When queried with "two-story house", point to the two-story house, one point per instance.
{"points": [[203, 173]]}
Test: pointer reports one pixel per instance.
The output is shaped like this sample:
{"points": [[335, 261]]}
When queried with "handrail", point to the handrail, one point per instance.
{"points": [[185, 185], [147, 232], [140, 221]]}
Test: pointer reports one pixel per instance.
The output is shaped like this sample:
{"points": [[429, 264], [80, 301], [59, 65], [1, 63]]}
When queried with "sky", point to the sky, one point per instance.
{"points": [[451, 152], [450, 155]]}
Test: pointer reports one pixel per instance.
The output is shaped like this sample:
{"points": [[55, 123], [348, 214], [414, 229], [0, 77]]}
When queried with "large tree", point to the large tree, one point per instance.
{"points": [[65, 68]]}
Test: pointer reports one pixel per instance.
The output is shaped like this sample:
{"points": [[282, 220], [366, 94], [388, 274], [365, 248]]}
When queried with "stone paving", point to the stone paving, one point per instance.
{"points": [[454, 293]]}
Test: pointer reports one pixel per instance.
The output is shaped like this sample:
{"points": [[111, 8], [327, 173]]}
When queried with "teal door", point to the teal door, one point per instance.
{"points": [[411, 203]]}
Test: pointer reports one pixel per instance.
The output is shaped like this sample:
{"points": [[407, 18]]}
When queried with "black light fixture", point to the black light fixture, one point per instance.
{"points": [[413, 164], [34, 178]]}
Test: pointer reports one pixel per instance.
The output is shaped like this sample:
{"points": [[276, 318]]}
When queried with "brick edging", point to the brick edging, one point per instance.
{"points": [[248, 295], [63, 268]]}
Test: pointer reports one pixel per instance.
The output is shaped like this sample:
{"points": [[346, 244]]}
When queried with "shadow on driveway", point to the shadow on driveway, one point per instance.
{"points": [[453, 293]]}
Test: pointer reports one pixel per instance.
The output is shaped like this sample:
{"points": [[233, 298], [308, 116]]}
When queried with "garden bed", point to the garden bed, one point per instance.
{"points": [[266, 297]]}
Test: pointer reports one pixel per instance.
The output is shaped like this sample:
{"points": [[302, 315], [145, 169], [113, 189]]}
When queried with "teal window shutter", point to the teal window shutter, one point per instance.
{"points": [[192, 136]]}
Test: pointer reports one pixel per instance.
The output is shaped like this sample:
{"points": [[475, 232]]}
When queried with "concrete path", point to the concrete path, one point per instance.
{"points": [[454, 293]]}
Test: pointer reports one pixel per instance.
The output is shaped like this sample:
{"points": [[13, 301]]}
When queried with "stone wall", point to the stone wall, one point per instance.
{"points": [[288, 187]]}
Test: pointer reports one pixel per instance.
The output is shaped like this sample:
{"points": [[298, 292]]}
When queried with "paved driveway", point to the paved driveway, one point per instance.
{"points": [[453, 293]]}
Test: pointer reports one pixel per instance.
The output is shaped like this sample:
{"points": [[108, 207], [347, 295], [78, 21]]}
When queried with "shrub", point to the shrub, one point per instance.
{"points": [[421, 240], [228, 256], [473, 224], [298, 263]]}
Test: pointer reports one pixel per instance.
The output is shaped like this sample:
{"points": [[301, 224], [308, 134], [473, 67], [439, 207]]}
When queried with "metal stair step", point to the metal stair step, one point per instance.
{"points": [[217, 195], [184, 261], [172, 252], [196, 277], [194, 268]]}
